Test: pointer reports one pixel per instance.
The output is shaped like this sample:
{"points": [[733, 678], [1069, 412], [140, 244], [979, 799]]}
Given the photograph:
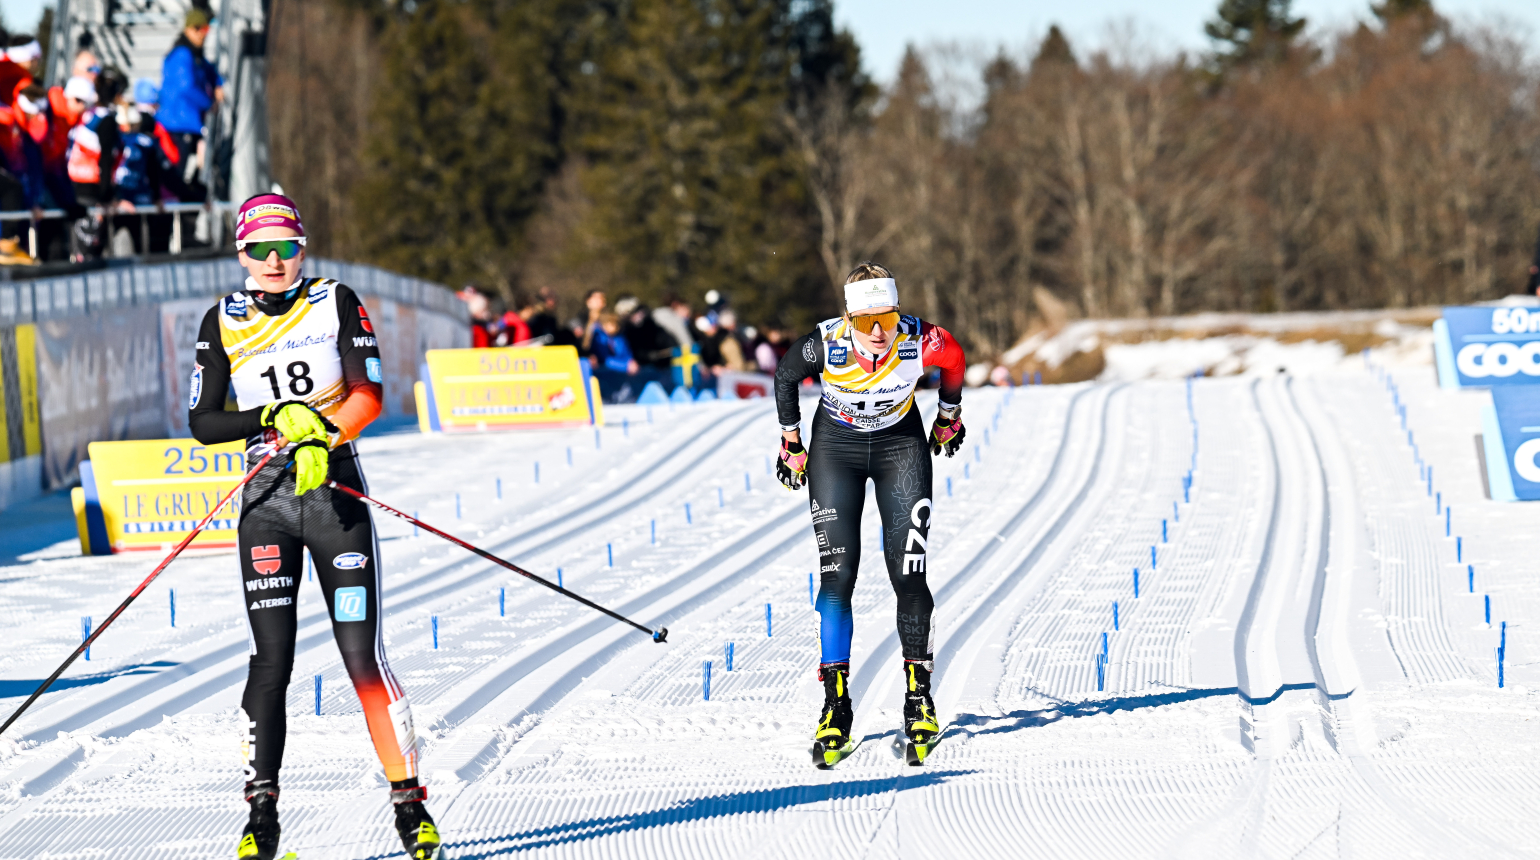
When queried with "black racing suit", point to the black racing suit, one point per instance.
{"points": [[276, 526]]}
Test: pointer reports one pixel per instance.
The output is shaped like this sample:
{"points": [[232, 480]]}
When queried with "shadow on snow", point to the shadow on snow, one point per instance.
{"points": [[9, 689]]}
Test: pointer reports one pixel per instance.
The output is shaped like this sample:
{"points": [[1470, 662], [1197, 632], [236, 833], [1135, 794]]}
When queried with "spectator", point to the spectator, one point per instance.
{"points": [[43, 123], [595, 302], [674, 318], [651, 346], [21, 63], [95, 145], [190, 85], [613, 364], [729, 347], [542, 317], [768, 352], [77, 96], [137, 182], [710, 342], [86, 65]]}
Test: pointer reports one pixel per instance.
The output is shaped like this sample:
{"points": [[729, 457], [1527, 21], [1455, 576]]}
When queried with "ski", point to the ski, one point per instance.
{"points": [[825, 758], [914, 753]]}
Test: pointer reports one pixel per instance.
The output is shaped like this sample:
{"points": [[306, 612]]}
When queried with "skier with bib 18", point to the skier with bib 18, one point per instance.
{"points": [[867, 428], [300, 358]]}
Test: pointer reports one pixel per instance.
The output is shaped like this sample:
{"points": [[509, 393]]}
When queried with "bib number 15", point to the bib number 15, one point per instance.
{"points": [[300, 383]]}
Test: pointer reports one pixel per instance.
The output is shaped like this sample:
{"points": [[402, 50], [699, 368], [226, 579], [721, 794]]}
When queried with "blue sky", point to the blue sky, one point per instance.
{"points": [[883, 27]]}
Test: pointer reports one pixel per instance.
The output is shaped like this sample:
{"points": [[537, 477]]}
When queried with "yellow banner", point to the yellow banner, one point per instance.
{"points": [[490, 389], [149, 493], [20, 427]]}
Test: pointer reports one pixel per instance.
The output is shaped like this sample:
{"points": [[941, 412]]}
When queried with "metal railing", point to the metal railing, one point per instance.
{"points": [[144, 213]]}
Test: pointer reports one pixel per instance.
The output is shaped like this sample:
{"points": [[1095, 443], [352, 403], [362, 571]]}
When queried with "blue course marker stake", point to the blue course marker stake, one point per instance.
{"points": [[654, 532], [414, 525], [1459, 550], [1163, 531], [1115, 615], [1470, 578], [747, 487], [706, 681], [768, 470], [457, 505], [310, 566], [537, 471], [597, 446], [1438, 502], [1500, 668], [812, 601], [1104, 644], [625, 427], [1136, 583], [609, 550], [1430, 479], [1448, 513], [85, 632], [1176, 514], [949, 486], [688, 520], [729, 656], [769, 630], [649, 415], [502, 603], [569, 455], [173, 607], [978, 455], [1487, 599], [318, 695], [1101, 672], [720, 503], [1152, 559], [499, 489], [558, 579], [435, 632], [967, 475]]}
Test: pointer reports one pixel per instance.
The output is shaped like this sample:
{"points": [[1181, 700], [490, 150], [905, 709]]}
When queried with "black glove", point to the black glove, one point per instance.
{"points": [[947, 433], [791, 464]]}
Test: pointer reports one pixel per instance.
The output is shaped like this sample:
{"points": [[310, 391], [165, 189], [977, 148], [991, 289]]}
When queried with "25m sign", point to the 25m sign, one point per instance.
{"points": [[1484, 346]]}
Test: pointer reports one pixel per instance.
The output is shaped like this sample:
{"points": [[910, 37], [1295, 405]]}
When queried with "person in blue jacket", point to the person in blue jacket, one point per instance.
{"points": [[189, 86]]}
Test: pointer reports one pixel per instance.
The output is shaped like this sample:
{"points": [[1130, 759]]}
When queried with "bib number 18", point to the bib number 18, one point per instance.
{"points": [[300, 383]]}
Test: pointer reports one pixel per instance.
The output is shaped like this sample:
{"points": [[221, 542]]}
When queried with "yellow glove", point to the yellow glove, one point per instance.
{"points": [[311, 460], [296, 421]]}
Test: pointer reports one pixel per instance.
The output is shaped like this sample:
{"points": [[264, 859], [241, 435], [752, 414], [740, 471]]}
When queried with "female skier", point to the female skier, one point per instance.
{"points": [[300, 356], [867, 427]]}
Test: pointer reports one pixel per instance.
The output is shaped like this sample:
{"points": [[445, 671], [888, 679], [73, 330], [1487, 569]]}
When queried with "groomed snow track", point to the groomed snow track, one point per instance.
{"points": [[1302, 673]]}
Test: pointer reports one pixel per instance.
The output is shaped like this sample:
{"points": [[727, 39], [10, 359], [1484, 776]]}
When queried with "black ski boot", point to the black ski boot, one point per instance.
{"points": [[920, 724], [419, 835], [832, 741], [260, 840]]}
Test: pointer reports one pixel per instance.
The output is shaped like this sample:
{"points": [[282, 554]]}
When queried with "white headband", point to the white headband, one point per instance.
{"points": [[28, 106], [24, 54], [871, 293]]}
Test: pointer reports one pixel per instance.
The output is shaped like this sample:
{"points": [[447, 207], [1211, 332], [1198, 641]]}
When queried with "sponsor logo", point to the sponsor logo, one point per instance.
{"points": [[266, 560], [249, 745], [293, 343], [908, 351], [351, 604], [937, 343], [823, 538], [269, 582], [372, 367], [824, 515], [363, 320], [829, 568], [839, 355], [195, 386], [350, 561], [914, 561], [364, 341], [1501, 359], [235, 306], [270, 602], [838, 550], [317, 292], [202, 344], [807, 352], [561, 399]]}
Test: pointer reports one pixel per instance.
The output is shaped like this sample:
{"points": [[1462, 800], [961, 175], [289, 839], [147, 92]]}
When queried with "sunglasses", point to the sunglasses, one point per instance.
{"points": [[287, 249], [864, 323]]}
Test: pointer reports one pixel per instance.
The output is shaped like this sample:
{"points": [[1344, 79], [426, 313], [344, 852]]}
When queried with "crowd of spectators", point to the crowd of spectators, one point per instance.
{"points": [[629, 344], [107, 152]]}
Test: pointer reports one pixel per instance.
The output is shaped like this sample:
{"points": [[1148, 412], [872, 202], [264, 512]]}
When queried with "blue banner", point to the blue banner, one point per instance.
{"points": [[1483, 347], [1511, 443]]}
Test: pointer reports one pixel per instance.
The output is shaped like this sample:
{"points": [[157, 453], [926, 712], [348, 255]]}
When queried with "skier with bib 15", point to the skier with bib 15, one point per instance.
{"points": [[867, 428], [299, 357]]}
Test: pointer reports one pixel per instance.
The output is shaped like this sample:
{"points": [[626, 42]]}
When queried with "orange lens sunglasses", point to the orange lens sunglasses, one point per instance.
{"points": [[864, 323]]}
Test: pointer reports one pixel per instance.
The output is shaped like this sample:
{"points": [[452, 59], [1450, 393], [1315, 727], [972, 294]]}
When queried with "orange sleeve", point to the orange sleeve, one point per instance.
{"points": [[361, 406]]}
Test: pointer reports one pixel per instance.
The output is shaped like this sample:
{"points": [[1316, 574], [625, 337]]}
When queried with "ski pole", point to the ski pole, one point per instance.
{"points": [[136, 592], [659, 635]]}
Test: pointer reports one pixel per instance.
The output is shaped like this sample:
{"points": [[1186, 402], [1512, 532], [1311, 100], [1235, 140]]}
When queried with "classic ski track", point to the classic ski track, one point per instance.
{"points": [[1285, 784]]}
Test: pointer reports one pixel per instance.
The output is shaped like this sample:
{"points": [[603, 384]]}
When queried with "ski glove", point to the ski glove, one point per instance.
{"points": [[791, 465], [948, 432], [311, 459], [297, 421]]}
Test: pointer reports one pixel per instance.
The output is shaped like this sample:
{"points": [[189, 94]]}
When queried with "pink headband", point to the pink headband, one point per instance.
{"points": [[267, 210]]}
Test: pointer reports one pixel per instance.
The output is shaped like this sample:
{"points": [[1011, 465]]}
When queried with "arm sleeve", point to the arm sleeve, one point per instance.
{"points": [[112, 147], [206, 415], [939, 349], [804, 359], [361, 371]]}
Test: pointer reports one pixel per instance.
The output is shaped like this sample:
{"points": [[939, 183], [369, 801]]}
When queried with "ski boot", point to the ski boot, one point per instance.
{"points": [[921, 727], [260, 840], [832, 741], [419, 836]]}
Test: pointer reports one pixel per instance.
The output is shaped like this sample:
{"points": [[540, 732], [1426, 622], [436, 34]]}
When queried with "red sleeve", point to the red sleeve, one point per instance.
{"points": [[939, 349], [479, 339]]}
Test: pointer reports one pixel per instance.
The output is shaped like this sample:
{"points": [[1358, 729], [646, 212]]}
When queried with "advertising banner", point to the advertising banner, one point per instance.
{"points": [[1487, 346], [504, 388], [147, 494]]}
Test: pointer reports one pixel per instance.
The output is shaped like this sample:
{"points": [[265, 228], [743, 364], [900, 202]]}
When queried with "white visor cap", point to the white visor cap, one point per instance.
{"points": [[80, 89], [871, 293]]}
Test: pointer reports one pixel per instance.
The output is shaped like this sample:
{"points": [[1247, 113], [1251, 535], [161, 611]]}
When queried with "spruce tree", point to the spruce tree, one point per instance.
{"points": [[1251, 32], [1391, 10]]}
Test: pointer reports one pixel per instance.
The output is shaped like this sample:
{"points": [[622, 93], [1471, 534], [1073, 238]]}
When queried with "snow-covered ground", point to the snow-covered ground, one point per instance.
{"points": [[1303, 674]]}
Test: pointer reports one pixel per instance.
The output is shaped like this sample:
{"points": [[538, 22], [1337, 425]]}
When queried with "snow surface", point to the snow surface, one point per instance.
{"points": [[1303, 675]]}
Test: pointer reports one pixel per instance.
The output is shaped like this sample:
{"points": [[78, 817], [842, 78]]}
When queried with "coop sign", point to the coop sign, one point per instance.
{"points": [[1510, 444], [1486, 346]]}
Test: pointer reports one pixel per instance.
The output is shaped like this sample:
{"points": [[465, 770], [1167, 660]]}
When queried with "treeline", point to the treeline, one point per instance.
{"points": [[656, 146]]}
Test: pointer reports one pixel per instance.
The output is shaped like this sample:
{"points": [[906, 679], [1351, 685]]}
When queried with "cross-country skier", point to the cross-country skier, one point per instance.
{"points": [[867, 427], [300, 358]]}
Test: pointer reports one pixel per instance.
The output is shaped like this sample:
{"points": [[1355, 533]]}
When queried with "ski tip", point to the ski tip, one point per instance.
{"points": [[289, 856], [661, 635]]}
